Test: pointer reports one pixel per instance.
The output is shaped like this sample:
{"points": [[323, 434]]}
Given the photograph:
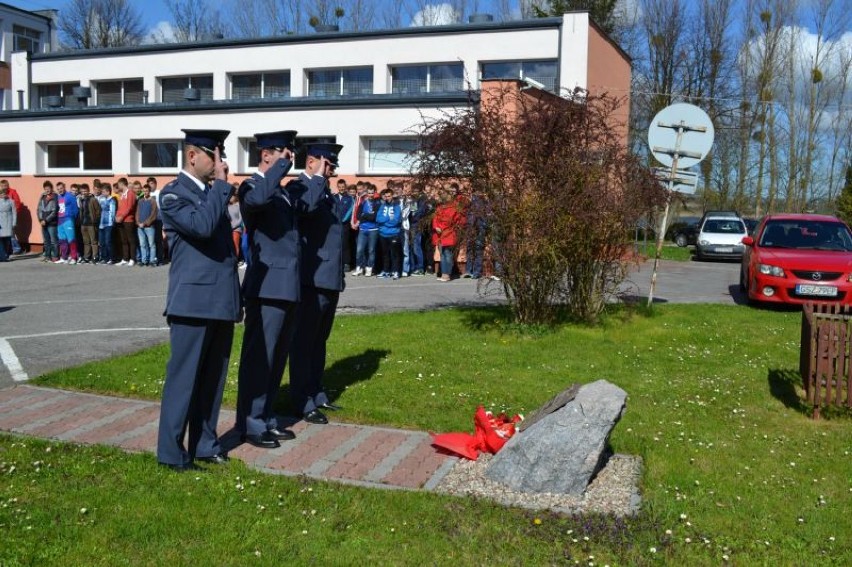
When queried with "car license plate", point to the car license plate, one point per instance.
{"points": [[820, 290], [724, 250]]}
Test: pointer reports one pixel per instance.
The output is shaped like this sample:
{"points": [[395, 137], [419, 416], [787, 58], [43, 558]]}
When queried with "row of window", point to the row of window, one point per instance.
{"points": [[378, 155], [406, 80]]}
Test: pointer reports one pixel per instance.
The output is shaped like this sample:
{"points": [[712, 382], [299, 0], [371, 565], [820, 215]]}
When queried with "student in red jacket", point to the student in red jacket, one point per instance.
{"points": [[125, 219], [446, 224]]}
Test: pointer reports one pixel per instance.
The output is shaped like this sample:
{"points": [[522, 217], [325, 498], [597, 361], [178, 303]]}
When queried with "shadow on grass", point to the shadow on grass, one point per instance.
{"points": [[336, 378], [501, 319], [782, 386]]}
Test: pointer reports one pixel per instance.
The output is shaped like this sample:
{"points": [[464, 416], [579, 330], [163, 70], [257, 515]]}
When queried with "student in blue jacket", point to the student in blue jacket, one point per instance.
{"points": [[389, 219]]}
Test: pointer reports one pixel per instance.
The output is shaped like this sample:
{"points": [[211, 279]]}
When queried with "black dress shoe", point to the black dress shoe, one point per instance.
{"points": [[265, 440], [330, 406], [183, 467], [281, 434], [316, 417], [217, 459]]}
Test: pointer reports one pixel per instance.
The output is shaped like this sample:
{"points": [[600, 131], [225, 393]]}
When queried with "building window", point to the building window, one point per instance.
{"points": [[542, 71], [25, 39], [65, 92], [251, 159], [111, 93], [94, 156], [10, 158], [173, 88], [261, 85], [388, 155], [340, 82], [159, 155], [416, 79]]}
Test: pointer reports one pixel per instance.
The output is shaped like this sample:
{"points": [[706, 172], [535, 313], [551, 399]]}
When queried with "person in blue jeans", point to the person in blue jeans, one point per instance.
{"points": [[368, 236], [389, 219], [47, 217], [146, 215], [106, 223]]}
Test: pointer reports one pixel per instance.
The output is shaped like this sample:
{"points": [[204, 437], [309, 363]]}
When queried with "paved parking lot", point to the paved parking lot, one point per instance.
{"points": [[57, 316]]}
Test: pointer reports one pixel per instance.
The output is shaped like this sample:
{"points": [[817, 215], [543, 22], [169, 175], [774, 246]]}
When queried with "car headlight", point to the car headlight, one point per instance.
{"points": [[703, 242], [768, 270]]}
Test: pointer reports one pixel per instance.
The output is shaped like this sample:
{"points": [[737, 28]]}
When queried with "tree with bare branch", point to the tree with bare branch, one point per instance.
{"points": [[196, 20], [90, 24]]}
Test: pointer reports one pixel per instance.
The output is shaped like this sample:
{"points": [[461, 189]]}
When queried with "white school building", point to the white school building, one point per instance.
{"points": [[108, 113]]}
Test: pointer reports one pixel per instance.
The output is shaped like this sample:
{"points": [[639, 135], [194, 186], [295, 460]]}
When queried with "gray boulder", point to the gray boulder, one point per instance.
{"points": [[562, 451]]}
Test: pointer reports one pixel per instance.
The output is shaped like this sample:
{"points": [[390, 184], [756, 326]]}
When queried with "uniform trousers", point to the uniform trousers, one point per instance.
{"points": [[269, 327], [314, 320], [192, 393]]}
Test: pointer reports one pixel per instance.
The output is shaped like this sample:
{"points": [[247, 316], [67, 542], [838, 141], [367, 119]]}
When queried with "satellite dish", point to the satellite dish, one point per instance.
{"points": [[696, 135]]}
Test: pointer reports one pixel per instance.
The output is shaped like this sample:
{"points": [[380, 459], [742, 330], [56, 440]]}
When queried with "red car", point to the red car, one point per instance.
{"points": [[795, 258]]}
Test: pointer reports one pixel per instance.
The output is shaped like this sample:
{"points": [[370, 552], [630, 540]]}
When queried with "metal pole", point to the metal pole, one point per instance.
{"points": [[661, 233]]}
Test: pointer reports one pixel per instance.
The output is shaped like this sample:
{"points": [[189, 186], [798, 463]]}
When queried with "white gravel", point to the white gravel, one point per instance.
{"points": [[614, 490]]}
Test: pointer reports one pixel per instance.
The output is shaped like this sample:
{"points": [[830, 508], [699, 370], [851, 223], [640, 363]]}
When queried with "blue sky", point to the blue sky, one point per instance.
{"points": [[153, 11]]}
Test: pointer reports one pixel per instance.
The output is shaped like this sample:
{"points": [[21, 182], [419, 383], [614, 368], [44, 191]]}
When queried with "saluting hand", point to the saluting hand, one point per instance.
{"points": [[220, 168]]}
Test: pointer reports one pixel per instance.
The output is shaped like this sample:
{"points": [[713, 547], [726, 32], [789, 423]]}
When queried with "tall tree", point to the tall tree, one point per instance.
{"points": [[841, 122], [665, 26], [770, 19], [828, 19], [708, 74], [844, 200], [601, 11], [89, 24], [196, 20]]}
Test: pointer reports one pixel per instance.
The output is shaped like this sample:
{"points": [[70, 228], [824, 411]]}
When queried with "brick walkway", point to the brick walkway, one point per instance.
{"points": [[354, 454]]}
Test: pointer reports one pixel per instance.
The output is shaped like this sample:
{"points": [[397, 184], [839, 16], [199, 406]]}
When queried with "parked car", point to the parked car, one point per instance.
{"points": [[795, 258], [721, 237], [684, 231]]}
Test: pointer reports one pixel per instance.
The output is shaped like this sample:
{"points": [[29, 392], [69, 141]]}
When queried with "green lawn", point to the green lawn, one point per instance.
{"points": [[735, 470], [669, 251]]}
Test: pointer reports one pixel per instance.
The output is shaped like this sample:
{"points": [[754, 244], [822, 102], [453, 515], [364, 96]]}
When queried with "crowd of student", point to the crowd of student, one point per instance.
{"points": [[116, 224], [405, 230], [400, 231]]}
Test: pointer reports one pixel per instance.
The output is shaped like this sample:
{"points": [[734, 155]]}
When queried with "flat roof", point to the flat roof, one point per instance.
{"points": [[27, 12], [315, 37]]}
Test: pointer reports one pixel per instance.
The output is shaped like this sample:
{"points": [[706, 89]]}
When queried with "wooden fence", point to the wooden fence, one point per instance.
{"points": [[825, 360]]}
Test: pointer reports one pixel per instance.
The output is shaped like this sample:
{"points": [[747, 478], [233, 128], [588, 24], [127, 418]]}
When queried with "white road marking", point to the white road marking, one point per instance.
{"points": [[58, 333], [84, 300], [10, 359], [7, 355]]}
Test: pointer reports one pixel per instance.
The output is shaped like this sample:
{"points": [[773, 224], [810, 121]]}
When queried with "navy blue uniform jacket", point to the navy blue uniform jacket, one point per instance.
{"points": [[271, 214], [322, 241], [203, 281]]}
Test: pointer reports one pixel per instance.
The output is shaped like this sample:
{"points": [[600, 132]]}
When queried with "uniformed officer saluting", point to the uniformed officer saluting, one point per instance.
{"points": [[322, 282], [272, 285], [202, 304]]}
